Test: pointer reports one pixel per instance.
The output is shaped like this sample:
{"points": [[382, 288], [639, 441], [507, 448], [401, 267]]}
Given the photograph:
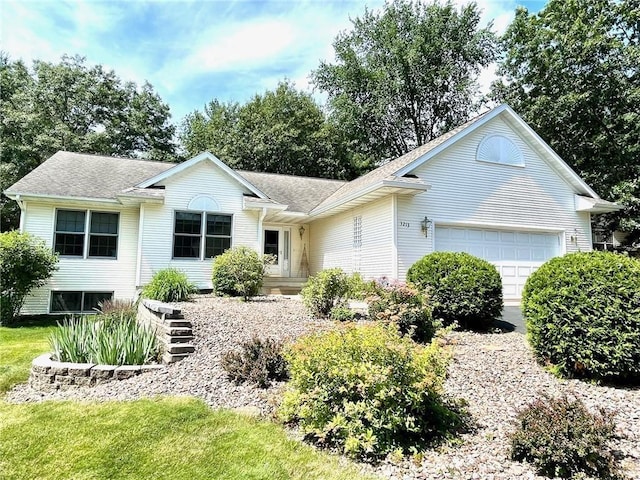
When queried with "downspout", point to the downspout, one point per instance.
{"points": [[139, 254], [263, 214], [23, 212], [394, 236]]}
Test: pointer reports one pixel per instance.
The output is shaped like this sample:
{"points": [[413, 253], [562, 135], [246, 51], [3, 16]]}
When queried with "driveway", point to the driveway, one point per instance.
{"points": [[511, 320]]}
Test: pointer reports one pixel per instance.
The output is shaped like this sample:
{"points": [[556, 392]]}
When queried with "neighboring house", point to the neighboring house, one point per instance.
{"points": [[490, 187]]}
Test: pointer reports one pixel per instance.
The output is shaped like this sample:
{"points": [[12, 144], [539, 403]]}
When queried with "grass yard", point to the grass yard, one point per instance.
{"points": [[19, 345], [162, 438]]}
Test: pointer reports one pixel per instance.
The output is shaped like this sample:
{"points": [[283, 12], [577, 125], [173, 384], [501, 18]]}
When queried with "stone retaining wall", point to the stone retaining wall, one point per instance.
{"points": [[173, 331], [47, 374]]}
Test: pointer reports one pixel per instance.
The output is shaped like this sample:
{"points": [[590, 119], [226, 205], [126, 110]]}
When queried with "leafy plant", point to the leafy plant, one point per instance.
{"points": [[359, 289], [402, 305], [325, 290], [169, 285], [258, 361], [561, 438], [239, 272], [25, 263], [367, 391], [583, 315], [461, 288], [102, 340], [342, 313]]}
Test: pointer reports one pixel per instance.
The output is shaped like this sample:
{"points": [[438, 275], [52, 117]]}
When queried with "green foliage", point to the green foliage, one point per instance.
{"points": [[367, 391], [76, 107], [104, 340], [341, 313], [325, 290], [239, 272], [571, 70], [25, 263], [403, 306], [169, 285], [583, 315], [359, 289], [461, 288], [258, 361], [282, 131], [405, 74], [561, 438], [137, 440]]}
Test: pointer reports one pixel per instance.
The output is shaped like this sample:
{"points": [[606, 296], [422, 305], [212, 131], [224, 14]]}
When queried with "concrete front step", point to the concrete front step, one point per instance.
{"points": [[174, 348]]}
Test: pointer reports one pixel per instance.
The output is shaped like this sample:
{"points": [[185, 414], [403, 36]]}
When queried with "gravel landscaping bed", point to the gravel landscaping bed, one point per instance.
{"points": [[495, 373]]}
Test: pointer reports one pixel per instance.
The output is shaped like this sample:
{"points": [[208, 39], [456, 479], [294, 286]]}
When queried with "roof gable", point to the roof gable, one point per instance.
{"points": [[203, 157]]}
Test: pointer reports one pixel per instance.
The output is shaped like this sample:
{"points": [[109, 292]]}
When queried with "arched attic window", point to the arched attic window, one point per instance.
{"points": [[204, 203], [499, 149]]}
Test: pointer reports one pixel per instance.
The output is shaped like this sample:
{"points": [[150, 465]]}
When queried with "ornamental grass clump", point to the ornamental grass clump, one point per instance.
{"points": [[368, 391], [169, 285], [583, 316], [562, 438], [107, 340]]}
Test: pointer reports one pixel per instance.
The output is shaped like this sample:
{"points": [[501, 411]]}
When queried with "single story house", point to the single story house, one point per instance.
{"points": [[491, 187]]}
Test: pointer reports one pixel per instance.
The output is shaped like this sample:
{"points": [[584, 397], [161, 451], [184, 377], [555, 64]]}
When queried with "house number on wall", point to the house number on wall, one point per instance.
{"points": [[405, 224]]}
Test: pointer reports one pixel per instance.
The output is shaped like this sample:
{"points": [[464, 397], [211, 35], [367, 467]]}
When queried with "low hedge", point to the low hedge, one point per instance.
{"points": [[583, 315]]}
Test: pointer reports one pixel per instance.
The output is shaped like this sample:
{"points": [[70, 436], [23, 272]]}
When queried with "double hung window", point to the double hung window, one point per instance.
{"points": [[201, 235], [97, 238]]}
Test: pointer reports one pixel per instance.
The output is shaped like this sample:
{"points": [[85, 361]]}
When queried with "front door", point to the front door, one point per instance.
{"points": [[277, 243]]}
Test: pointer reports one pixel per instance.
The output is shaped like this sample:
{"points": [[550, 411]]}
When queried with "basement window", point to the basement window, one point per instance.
{"points": [[77, 301]]}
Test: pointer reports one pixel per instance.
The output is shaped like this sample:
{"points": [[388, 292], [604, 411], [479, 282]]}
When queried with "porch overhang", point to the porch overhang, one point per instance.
{"points": [[274, 212], [595, 205], [390, 185]]}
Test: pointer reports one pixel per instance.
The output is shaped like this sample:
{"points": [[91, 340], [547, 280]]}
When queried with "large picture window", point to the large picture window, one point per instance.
{"points": [[189, 231], [71, 233]]}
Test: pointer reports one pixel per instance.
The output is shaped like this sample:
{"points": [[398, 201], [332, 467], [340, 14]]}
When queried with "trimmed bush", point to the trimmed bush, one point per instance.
{"points": [[561, 438], [239, 272], [583, 315], [105, 340], [461, 288], [25, 263], [402, 305], [367, 391], [325, 290], [169, 285], [258, 361]]}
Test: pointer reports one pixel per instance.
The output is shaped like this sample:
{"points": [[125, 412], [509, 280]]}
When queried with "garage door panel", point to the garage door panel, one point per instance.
{"points": [[516, 254]]}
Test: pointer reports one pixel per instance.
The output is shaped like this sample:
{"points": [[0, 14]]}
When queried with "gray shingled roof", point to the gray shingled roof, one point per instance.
{"points": [[389, 169], [301, 194], [69, 174]]}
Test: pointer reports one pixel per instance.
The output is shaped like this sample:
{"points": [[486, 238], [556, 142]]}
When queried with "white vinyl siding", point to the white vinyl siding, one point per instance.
{"points": [[90, 274], [472, 194], [332, 240], [203, 178]]}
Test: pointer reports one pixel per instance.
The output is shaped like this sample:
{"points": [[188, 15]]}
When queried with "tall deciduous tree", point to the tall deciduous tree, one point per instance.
{"points": [[281, 131], [573, 72], [406, 74], [73, 106]]}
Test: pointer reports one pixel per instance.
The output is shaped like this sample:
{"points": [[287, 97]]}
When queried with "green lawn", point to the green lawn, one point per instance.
{"points": [[19, 345], [169, 437]]}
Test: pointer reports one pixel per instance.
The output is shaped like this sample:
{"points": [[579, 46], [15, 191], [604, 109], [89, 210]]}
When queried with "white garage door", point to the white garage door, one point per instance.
{"points": [[516, 254]]}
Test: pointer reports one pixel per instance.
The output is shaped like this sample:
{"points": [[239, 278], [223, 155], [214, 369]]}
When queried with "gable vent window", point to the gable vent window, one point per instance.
{"points": [[190, 230], [499, 149], [72, 240]]}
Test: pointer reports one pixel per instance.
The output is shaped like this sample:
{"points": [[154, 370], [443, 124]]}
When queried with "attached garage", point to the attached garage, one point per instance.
{"points": [[516, 254]]}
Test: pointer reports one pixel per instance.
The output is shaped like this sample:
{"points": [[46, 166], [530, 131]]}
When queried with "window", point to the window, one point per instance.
{"points": [[499, 149], [77, 301], [357, 242], [189, 230], [70, 233]]}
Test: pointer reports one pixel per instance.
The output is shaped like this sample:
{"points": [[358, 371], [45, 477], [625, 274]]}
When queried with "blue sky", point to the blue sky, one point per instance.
{"points": [[194, 51]]}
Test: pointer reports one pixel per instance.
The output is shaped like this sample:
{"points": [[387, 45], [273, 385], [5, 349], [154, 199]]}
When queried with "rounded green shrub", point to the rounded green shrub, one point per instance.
{"points": [[325, 290], [583, 315], [25, 263], [402, 305], [561, 438], [238, 272], [461, 288], [367, 391], [169, 285], [258, 361]]}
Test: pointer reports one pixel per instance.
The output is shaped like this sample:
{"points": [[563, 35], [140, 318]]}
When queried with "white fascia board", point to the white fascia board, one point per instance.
{"points": [[595, 205], [422, 187], [251, 205], [458, 136], [197, 159], [35, 196], [554, 156]]}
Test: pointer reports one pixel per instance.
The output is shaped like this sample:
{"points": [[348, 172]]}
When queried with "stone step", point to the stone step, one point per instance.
{"points": [[177, 323], [173, 357], [177, 331], [179, 348], [177, 339]]}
